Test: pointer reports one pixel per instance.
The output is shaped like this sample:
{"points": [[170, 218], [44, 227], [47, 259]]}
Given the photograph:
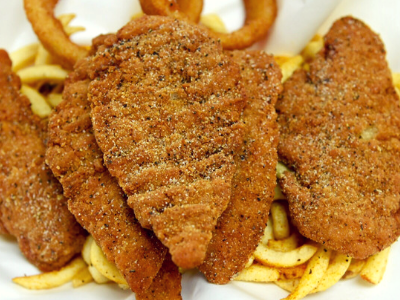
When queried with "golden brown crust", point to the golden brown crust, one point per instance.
{"points": [[166, 111], [242, 224], [167, 284], [340, 130], [32, 205], [96, 200]]}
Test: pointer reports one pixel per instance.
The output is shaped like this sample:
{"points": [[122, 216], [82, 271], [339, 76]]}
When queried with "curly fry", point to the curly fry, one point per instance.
{"points": [[260, 15], [51, 33], [182, 9]]}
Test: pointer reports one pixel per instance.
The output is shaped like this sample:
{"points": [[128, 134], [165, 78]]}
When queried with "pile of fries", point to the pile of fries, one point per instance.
{"points": [[301, 266], [42, 79], [283, 256], [286, 258]]}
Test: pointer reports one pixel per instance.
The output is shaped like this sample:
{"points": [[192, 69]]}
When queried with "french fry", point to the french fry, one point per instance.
{"points": [[250, 261], [97, 276], [107, 269], [313, 274], [258, 273], [288, 284], [396, 79], [336, 269], [52, 73], [354, 269], [39, 105], [280, 222], [268, 233], [313, 48], [293, 272], [375, 267], [65, 19], [214, 22], [280, 169], [24, 57], [280, 60], [87, 246], [270, 257], [290, 66], [290, 243], [54, 99], [124, 286], [42, 57], [52, 279], [82, 278], [396, 82], [278, 195], [86, 254], [70, 30]]}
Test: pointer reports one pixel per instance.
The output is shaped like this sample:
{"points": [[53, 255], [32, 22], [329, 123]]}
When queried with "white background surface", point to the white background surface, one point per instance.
{"points": [[297, 22]]}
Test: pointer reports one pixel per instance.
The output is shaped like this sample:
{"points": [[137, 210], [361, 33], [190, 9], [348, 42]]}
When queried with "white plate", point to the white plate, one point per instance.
{"points": [[297, 22]]}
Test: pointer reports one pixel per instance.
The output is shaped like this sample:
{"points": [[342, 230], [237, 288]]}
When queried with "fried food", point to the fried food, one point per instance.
{"points": [[260, 15], [241, 226], [32, 205], [183, 9], [340, 131], [375, 267], [167, 284], [166, 114], [95, 198], [52, 279], [51, 33], [313, 274]]}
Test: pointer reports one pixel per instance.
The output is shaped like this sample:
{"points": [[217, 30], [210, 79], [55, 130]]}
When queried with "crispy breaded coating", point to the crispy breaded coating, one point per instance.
{"points": [[32, 205], [166, 285], [241, 226], [166, 113], [340, 130], [95, 198]]}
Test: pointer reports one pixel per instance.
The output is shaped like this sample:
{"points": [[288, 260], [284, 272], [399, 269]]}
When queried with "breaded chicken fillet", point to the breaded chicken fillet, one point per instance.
{"points": [[166, 113], [242, 225], [32, 205], [340, 134], [95, 197]]}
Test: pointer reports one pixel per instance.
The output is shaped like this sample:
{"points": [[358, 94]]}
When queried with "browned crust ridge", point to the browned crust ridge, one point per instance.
{"points": [[166, 113], [95, 198], [242, 224]]}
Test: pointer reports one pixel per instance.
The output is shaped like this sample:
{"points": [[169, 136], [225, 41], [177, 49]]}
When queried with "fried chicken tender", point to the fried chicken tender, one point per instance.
{"points": [[340, 134], [95, 198], [32, 205], [166, 285], [166, 113], [241, 226]]}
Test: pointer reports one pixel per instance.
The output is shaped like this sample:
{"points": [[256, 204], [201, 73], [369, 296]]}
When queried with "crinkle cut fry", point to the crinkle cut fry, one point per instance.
{"points": [[32, 206], [339, 133], [96, 200], [242, 224], [168, 129]]}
